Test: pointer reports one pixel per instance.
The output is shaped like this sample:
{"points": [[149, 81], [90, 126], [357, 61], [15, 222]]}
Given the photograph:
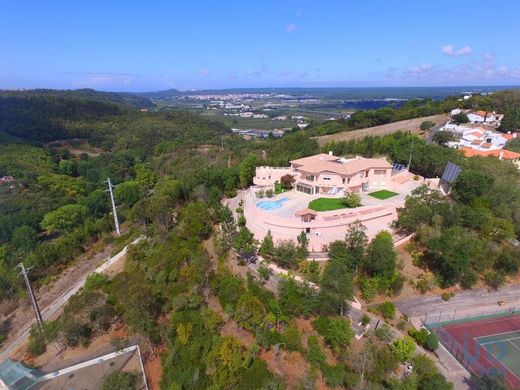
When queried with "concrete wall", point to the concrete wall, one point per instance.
{"points": [[327, 227], [267, 176]]}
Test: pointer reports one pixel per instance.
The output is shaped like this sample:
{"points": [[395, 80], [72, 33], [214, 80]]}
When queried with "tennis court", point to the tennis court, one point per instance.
{"points": [[504, 347], [484, 343]]}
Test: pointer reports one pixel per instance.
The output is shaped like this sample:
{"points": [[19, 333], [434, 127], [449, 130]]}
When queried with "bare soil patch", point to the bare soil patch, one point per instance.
{"points": [[76, 146], [289, 365], [411, 125]]}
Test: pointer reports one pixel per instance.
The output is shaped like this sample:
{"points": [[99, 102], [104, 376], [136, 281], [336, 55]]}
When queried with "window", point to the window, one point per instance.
{"points": [[327, 178], [307, 230], [310, 178], [379, 172]]}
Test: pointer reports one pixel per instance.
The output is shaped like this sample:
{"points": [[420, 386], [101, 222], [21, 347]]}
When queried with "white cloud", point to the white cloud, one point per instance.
{"points": [[290, 27], [99, 79], [204, 72], [253, 73], [286, 73], [419, 71], [450, 51]]}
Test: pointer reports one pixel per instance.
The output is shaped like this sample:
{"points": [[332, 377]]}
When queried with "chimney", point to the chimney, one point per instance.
{"points": [[501, 155], [330, 153]]}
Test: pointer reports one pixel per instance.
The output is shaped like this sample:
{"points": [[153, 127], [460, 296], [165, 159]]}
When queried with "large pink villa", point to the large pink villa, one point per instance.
{"points": [[327, 176]]}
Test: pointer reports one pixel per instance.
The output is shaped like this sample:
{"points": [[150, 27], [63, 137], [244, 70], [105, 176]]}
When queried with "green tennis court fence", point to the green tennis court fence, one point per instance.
{"points": [[436, 320]]}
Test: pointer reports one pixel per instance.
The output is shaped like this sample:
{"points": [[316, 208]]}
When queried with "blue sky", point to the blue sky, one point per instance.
{"points": [[153, 45]]}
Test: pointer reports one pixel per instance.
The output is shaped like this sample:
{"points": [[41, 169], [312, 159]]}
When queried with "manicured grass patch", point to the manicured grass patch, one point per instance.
{"points": [[383, 194], [278, 189], [326, 204]]}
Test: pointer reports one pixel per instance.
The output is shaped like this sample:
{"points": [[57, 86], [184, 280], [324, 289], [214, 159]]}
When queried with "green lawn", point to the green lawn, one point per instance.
{"points": [[278, 189], [326, 204], [383, 194]]}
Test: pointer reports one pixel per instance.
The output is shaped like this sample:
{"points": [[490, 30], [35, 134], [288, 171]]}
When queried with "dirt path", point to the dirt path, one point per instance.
{"points": [[411, 125], [16, 319]]}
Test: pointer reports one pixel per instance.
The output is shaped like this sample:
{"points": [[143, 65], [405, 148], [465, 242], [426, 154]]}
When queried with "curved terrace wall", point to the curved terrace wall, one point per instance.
{"points": [[327, 227]]}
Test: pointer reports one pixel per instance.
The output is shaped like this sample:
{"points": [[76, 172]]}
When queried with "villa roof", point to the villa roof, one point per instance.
{"points": [[482, 113], [327, 163], [301, 213], [314, 159], [506, 154], [476, 133]]}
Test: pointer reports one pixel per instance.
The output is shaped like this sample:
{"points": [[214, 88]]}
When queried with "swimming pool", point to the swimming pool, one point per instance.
{"points": [[271, 204]]}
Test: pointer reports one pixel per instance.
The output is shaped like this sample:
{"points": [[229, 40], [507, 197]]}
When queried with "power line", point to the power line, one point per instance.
{"points": [[114, 209], [36, 309]]}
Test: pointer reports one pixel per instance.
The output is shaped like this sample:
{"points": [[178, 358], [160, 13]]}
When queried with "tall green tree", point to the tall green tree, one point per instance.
{"points": [[336, 287], [248, 169], [380, 258]]}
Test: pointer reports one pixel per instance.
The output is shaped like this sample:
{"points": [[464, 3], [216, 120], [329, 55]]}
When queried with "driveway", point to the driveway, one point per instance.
{"points": [[468, 302], [434, 130]]}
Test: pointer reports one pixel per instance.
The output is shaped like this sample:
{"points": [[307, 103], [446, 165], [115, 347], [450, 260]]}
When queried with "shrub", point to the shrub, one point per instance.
{"points": [[269, 193], [424, 338], [387, 310], [96, 281], [239, 210], [315, 355], [419, 335], [264, 272], [384, 333], [334, 375], [260, 194], [424, 284], [36, 345], [425, 125], [403, 348], [494, 279], [269, 338], [368, 288], [352, 200], [446, 296], [122, 381], [365, 320], [77, 334], [432, 342], [291, 338], [256, 376], [335, 330], [397, 283]]}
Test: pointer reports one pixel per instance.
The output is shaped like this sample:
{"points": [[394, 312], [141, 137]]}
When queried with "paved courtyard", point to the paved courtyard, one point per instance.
{"points": [[298, 200]]}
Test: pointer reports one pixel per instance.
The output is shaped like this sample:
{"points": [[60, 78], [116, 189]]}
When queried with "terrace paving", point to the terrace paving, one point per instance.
{"points": [[299, 200]]}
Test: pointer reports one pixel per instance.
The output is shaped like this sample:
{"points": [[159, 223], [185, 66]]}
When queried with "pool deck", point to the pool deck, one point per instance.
{"points": [[328, 226], [299, 200]]}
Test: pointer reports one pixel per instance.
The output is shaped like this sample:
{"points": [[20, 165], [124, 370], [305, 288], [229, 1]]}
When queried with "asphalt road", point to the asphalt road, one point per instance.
{"points": [[433, 131], [470, 302], [53, 308]]}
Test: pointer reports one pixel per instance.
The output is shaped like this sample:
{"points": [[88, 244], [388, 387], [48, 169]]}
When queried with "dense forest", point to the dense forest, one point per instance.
{"points": [[171, 171]]}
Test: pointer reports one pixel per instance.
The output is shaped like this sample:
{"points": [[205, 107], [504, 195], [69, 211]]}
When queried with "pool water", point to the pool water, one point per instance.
{"points": [[271, 204]]}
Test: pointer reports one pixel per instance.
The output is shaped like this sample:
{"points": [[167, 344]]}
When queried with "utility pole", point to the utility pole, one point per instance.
{"points": [[114, 209], [410, 159], [37, 313]]}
